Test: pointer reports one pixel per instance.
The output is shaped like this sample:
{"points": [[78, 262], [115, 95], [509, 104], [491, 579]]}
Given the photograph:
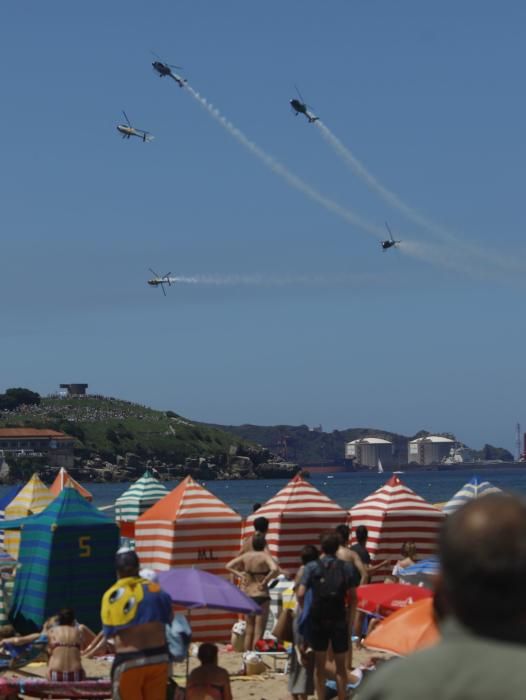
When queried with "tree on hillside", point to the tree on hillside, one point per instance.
{"points": [[17, 396]]}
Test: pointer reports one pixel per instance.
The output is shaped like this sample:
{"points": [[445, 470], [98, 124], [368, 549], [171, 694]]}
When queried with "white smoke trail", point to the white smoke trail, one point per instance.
{"points": [[283, 172], [490, 258], [261, 280]]}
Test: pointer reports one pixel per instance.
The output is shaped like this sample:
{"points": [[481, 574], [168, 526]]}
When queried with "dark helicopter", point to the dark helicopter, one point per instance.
{"points": [[300, 107], [161, 280], [390, 242], [166, 69]]}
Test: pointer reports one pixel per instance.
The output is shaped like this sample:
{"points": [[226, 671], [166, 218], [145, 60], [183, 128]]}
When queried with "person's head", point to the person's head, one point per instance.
{"points": [[391, 579], [309, 553], [329, 542], [207, 653], [343, 532], [255, 507], [127, 564], [361, 534], [149, 575], [66, 617], [482, 549], [259, 542], [261, 524], [408, 550]]}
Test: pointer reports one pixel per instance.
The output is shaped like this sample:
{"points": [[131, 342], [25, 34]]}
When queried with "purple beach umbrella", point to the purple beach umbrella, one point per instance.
{"points": [[193, 588]]}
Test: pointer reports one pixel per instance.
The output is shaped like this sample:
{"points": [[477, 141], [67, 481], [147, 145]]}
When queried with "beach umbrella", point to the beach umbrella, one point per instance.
{"points": [[395, 514], [384, 598], [405, 631], [194, 588], [423, 572], [298, 514], [31, 499], [64, 480], [473, 489]]}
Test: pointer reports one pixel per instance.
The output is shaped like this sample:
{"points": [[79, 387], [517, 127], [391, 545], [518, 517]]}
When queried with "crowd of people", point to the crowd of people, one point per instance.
{"points": [[478, 604]]}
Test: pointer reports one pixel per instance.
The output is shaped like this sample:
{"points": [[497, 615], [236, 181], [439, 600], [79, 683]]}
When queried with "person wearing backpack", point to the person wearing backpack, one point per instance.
{"points": [[329, 579]]}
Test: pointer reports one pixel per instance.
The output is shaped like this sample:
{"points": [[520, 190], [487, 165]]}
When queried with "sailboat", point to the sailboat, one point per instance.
{"points": [[380, 468]]}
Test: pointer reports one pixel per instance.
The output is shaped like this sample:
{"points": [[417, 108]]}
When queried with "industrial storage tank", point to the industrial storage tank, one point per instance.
{"points": [[367, 452], [431, 449]]}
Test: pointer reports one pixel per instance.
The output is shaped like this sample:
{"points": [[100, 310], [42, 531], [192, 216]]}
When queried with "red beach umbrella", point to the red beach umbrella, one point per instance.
{"points": [[385, 598]]}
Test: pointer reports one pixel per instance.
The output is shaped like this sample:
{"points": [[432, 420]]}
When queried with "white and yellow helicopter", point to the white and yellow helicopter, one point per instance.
{"points": [[128, 130]]}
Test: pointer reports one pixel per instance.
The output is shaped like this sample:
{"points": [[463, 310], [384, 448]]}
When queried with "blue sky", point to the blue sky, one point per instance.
{"points": [[428, 96]]}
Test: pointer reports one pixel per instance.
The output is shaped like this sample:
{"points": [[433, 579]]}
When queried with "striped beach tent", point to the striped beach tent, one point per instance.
{"points": [[4, 502], [63, 480], [141, 496], [31, 499], [473, 489], [297, 515], [191, 527], [67, 559], [395, 514]]}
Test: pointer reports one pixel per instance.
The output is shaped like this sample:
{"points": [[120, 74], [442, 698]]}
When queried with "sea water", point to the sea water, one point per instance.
{"points": [[347, 488]]}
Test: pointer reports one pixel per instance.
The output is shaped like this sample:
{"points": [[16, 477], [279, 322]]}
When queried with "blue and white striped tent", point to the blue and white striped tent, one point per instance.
{"points": [[4, 502], [473, 489]]}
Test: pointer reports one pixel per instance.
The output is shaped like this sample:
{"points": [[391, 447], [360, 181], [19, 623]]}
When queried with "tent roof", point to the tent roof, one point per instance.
{"points": [[34, 496], [9, 496], [473, 489], [394, 496], [69, 508], [190, 501], [63, 479], [302, 498], [146, 488]]}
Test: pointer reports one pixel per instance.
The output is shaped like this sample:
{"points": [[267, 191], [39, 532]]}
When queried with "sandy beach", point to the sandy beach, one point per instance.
{"points": [[271, 685]]}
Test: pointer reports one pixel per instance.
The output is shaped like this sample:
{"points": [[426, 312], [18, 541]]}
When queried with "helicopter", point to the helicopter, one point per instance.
{"points": [[390, 242], [128, 130], [166, 69], [160, 280], [300, 107]]}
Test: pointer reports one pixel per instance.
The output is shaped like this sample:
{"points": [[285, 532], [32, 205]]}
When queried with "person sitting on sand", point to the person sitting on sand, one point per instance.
{"points": [[255, 569], [409, 557], [208, 681], [64, 645]]}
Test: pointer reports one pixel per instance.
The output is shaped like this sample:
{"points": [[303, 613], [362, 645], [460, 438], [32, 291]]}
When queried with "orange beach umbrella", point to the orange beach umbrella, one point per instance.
{"points": [[405, 631]]}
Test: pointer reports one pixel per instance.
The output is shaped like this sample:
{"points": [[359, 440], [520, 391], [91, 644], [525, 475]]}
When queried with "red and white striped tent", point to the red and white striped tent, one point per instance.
{"points": [[395, 514], [297, 515], [64, 480], [192, 527]]}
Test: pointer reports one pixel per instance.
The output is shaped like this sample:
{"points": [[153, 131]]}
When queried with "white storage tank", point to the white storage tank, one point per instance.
{"points": [[368, 451], [431, 449]]}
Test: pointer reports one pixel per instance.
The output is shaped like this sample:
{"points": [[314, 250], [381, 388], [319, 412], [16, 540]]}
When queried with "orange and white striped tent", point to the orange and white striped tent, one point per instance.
{"points": [[192, 527], [297, 515], [395, 514], [64, 480]]}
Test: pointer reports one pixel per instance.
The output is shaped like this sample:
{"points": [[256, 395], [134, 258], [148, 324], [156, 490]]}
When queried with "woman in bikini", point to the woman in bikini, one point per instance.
{"points": [[255, 569], [208, 681], [64, 645]]}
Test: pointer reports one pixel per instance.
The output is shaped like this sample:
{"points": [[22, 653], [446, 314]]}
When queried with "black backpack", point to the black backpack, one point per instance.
{"points": [[329, 586]]}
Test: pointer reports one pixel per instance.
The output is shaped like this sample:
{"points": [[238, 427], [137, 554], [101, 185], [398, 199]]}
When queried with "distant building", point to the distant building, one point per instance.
{"points": [[431, 449], [367, 451], [55, 446], [75, 389]]}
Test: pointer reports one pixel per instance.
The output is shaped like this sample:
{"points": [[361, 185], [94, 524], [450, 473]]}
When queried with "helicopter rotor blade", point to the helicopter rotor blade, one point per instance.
{"points": [[153, 272], [299, 94], [390, 233], [162, 287], [126, 117]]}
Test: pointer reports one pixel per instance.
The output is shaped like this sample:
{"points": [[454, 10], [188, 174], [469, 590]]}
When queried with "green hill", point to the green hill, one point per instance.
{"points": [[110, 427]]}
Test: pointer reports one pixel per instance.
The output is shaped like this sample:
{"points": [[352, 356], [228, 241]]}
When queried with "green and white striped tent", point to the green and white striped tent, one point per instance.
{"points": [[143, 494]]}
